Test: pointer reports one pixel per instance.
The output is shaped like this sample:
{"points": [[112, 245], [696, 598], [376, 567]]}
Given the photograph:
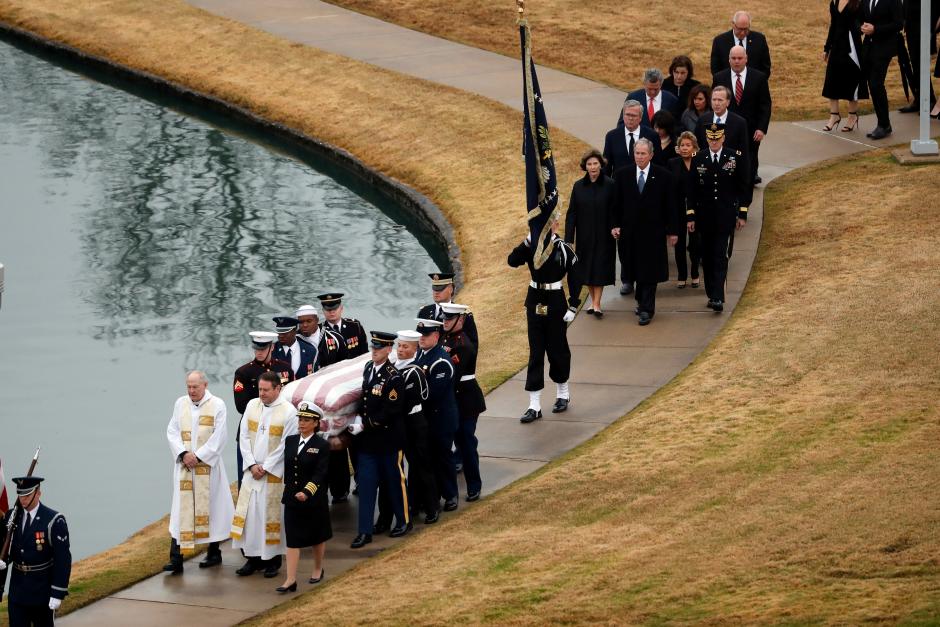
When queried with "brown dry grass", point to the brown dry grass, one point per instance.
{"points": [[460, 150], [612, 41], [789, 475]]}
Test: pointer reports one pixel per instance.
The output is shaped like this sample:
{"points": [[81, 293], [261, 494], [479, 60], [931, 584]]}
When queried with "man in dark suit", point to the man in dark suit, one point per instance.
{"points": [[645, 213], [882, 20], [750, 99], [618, 152], [718, 194], [736, 136], [758, 53], [300, 355], [912, 34], [652, 98]]}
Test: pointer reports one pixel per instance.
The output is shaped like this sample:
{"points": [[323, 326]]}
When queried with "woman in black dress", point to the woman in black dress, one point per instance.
{"points": [[306, 512], [587, 227], [665, 126], [844, 80], [680, 167], [680, 82]]}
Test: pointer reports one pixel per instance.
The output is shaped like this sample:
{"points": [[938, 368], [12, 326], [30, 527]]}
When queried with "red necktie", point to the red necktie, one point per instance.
{"points": [[738, 89], [651, 112]]}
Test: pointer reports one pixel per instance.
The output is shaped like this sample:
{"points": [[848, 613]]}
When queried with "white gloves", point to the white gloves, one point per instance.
{"points": [[355, 429], [3, 565], [54, 603], [569, 315]]}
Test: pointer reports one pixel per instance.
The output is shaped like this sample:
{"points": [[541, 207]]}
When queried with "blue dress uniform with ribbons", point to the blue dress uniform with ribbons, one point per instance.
{"points": [[40, 561]]}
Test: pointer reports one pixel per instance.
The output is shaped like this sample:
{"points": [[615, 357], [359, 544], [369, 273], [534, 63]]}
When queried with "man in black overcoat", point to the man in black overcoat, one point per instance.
{"points": [[882, 21], [735, 137], [645, 213], [758, 52]]}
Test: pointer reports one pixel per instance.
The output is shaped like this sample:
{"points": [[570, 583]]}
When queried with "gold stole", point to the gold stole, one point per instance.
{"points": [[194, 494], [272, 531]]}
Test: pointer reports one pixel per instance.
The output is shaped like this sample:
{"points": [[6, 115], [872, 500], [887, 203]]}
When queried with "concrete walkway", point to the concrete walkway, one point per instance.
{"points": [[615, 363]]}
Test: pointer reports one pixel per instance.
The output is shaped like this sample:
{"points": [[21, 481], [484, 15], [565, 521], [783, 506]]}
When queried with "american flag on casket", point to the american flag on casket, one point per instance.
{"points": [[336, 389]]}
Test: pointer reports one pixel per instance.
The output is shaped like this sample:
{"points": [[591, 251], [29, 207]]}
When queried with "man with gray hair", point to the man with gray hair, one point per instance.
{"points": [[754, 43], [652, 98]]}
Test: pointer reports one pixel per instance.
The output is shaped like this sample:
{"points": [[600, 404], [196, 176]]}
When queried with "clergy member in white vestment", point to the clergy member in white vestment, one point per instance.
{"points": [[256, 527], [202, 508]]}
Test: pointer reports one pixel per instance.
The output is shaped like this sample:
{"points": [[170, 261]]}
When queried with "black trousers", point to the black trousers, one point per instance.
{"points": [[912, 32], [30, 615], [422, 489], [626, 263], [878, 62], [754, 148], [646, 297], [715, 263], [339, 473], [440, 449], [695, 256], [547, 334], [176, 556], [466, 441]]}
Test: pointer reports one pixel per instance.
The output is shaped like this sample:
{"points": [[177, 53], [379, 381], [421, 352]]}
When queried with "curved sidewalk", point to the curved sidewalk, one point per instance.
{"points": [[615, 363]]}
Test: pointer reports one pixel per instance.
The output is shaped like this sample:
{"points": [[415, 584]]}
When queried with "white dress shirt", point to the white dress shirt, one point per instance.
{"points": [[646, 174]]}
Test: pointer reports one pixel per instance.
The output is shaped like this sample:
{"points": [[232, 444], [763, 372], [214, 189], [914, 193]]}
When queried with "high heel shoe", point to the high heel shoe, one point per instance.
{"points": [[318, 579], [284, 589], [830, 127], [851, 127]]}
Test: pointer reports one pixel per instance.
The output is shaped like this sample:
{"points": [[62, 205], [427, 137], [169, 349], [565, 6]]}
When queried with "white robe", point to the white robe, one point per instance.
{"points": [[252, 540], [221, 507]]}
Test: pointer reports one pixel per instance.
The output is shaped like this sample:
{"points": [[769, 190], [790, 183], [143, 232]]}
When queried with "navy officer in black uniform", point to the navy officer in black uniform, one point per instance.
{"points": [[718, 194], [39, 558], [380, 441], [548, 315], [442, 291], [349, 328]]}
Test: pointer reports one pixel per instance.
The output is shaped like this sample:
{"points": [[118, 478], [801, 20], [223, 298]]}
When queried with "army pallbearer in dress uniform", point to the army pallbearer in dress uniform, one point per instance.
{"points": [[40, 559], [350, 329], [245, 386], [381, 439], [202, 508], [548, 314], [442, 291], [302, 356], [470, 402], [719, 193]]}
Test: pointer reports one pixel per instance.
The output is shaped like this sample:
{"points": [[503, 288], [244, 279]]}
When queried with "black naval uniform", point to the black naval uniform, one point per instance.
{"points": [[545, 310], [381, 443], [306, 523], [470, 404], [434, 312], [353, 334], [245, 388], [422, 489], [718, 194], [441, 412], [41, 562]]}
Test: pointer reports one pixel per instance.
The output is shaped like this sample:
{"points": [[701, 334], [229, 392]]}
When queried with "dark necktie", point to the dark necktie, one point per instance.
{"points": [[632, 143], [641, 182], [300, 447], [287, 352], [741, 42], [738, 89]]}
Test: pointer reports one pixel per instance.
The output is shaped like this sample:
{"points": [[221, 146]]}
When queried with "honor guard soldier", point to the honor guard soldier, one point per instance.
{"points": [[331, 348], [440, 408], [442, 291], [380, 440], [470, 402], [246, 378], [422, 489], [39, 558], [719, 192], [547, 315], [300, 355], [349, 328]]}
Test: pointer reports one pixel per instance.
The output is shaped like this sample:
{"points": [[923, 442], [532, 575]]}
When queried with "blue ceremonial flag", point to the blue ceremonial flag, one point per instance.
{"points": [[541, 186]]}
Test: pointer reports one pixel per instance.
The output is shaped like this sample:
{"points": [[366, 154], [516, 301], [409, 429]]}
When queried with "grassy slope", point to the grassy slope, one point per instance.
{"points": [[612, 41], [789, 475], [459, 150]]}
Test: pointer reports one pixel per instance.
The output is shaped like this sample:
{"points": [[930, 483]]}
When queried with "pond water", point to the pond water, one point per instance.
{"points": [[139, 243]]}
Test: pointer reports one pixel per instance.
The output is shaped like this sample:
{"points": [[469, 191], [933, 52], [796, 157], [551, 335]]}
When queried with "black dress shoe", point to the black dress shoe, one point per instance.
{"points": [[290, 588], [381, 527], [173, 567], [711, 303], [340, 499], [473, 496], [361, 540], [598, 314], [248, 569], [318, 579], [210, 561], [432, 518], [530, 415], [645, 318], [450, 504], [626, 289], [880, 132], [561, 404], [399, 531], [271, 572], [758, 180], [719, 306], [911, 108]]}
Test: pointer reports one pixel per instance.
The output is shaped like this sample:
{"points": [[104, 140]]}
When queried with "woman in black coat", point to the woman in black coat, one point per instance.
{"points": [[665, 126], [679, 167], [306, 512], [844, 80], [680, 82], [587, 226]]}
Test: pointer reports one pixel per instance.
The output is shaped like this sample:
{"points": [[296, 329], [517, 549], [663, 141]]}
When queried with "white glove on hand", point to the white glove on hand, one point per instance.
{"points": [[355, 429], [3, 565], [54, 603], [569, 315]]}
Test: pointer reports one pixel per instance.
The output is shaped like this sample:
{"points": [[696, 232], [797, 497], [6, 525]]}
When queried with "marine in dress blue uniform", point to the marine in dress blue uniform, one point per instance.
{"points": [[442, 288], [440, 409], [40, 558], [380, 441]]}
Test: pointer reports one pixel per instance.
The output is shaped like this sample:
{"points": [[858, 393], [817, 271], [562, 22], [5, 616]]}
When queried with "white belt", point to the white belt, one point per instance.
{"points": [[468, 377], [545, 286], [415, 409]]}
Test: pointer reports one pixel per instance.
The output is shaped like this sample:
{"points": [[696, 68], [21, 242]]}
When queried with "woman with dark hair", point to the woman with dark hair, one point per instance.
{"points": [[680, 82], [665, 126], [844, 80], [587, 226], [679, 167], [700, 103]]}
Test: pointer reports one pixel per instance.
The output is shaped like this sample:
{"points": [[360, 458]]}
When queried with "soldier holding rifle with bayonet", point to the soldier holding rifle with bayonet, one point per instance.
{"points": [[36, 550]]}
